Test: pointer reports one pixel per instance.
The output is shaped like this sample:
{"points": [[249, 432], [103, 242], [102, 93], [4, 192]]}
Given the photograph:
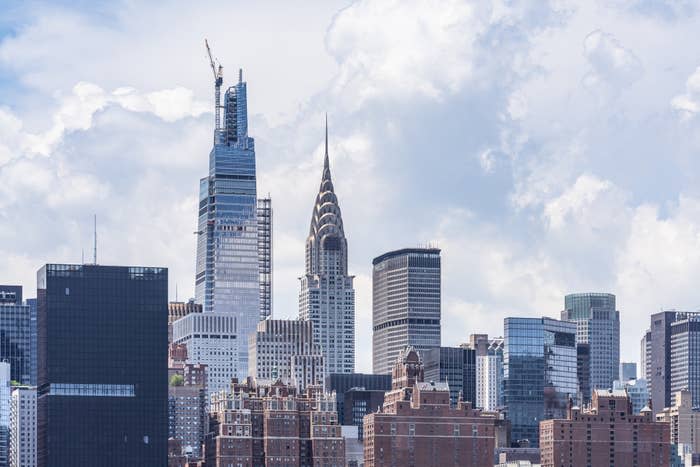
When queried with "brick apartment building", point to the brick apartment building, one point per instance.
{"points": [[273, 426], [607, 434], [417, 427]]}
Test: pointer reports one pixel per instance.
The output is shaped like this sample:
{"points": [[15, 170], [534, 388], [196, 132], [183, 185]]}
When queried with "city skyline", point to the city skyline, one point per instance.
{"points": [[520, 225]]}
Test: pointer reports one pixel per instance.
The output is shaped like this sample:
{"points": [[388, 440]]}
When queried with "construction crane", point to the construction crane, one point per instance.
{"points": [[218, 80]]}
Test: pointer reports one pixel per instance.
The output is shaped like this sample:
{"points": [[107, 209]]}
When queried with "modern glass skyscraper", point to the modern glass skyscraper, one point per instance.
{"points": [[539, 373], [598, 325], [456, 366], [16, 334], [405, 304], [227, 273], [327, 296], [103, 375]]}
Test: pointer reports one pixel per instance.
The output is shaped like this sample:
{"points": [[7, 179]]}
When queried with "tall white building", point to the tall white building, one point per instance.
{"points": [[327, 296], [489, 376], [285, 349], [211, 339], [23, 427]]}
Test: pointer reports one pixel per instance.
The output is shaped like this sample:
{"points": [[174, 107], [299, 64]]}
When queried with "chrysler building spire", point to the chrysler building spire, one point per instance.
{"points": [[327, 297]]}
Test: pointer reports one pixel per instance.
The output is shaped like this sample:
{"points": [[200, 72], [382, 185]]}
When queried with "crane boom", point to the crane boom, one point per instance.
{"points": [[218, 80]]}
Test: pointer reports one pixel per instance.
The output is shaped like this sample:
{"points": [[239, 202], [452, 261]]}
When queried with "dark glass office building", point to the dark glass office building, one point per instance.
{"points": [[344, 382], [16, 334], [457, 366], [539, 373], [102, 339]]}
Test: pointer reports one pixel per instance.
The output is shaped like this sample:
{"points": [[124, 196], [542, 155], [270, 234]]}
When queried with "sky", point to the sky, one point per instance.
{"points": [[546, 147]]}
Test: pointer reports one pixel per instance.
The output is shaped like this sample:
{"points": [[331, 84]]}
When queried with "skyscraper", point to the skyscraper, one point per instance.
{"points": [[405, 304], [457, 367], [16, 334], [327, 296], [227, 271], [597, 324], [5, 402], [265, 256], [23, 427], [539, 373], [103, 376], [671, 356]]}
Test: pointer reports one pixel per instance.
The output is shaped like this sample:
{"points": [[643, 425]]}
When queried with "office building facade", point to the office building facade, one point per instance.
{"points": [[228, 264], [684, 420], [102, 334], [637, 391], [286, 349], [5, 404], [489, 375], [265, 256], [671, 354], [607, 434], [405, 304], [457, 367], [177, 310], [23, 431], [628, 371], [341, 383], [598, 325], [212, 340], [16, 335], [539, 373], [327, 296]]}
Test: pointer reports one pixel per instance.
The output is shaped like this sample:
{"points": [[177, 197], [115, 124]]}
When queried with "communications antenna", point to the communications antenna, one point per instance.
{"points": [[94, 245]]}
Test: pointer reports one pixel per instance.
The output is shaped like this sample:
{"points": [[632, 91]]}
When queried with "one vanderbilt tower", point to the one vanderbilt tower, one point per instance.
{"points": [[227, 278], [327, 297]]}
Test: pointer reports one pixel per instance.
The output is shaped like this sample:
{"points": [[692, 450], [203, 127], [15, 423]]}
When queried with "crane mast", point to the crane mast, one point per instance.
{"points": [[218, 80]]}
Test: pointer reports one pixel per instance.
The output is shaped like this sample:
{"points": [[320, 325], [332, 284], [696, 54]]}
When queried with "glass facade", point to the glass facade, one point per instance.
{"points": [[405, 304], [456, 366], [16, 332], [102, 395], [540, 364], [265, 256], [598, 325], [344, 382], [227, 271]]}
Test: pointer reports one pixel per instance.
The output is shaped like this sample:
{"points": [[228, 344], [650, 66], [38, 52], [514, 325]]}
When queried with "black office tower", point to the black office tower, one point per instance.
{"points": [[102, 376]]}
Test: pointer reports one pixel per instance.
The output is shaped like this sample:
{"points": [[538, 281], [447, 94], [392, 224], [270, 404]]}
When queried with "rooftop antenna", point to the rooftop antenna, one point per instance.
{"points": [[218, 80], [94, 249], [175, 291]]}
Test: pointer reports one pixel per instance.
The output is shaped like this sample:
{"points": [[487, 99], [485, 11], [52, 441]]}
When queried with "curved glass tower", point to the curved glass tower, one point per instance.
{"points": [[327, 296], [227, 279]]}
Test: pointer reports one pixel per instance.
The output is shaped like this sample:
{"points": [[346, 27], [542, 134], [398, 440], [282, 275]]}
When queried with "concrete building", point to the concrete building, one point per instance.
{"points": [[684, 420], [598, 325], [405, 304], [670, 353], [177, 310], [286, 349], [327, 296], [23, 432], [606, 434], [637, 391], [457, 367], [103, 334], [417, 425], [489, 371], [211, 339], [256, 425], [187, 404], [539, 373]]}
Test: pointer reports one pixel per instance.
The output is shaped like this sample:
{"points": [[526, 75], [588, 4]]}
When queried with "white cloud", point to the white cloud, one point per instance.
{"points": [[610, 61], [688, 103]]}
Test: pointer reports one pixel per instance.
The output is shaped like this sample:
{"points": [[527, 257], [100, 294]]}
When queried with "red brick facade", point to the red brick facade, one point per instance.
{"points": [[608, 434]]}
